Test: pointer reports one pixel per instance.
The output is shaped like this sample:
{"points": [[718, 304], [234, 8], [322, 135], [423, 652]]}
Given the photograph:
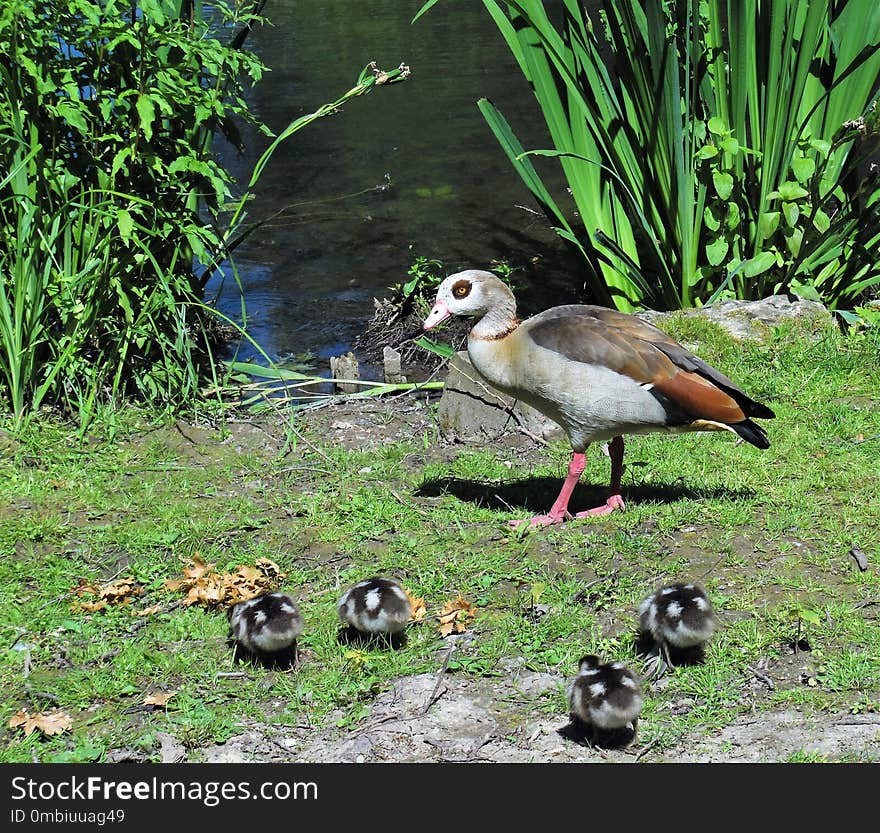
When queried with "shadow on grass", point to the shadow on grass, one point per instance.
{"points": [[590, 736], [349, 635], [283, 660], [536, 494]]}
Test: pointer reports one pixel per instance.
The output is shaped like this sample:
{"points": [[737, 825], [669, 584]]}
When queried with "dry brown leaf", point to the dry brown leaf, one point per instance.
{"points": [[269, 568], [198, 568], [86, 587], [417, 606], [122, 588], [160, 699], [90, 607], [49, 723], [114, 593], [455, 615], [148, 611]]}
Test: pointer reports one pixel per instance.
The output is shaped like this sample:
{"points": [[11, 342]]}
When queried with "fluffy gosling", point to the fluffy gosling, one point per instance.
{"points": [[265, 629], [678, 620], [375, 607], [605, 699]]}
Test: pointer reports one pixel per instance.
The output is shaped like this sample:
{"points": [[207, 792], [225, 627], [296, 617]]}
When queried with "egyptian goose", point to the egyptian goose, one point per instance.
{"points": [[375, 606], [678, 617], [605, 697], [265, 629], [597, 372]]}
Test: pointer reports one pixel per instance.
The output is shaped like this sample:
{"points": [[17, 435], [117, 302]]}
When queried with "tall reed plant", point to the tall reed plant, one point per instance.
{"points": [[712, 148]]}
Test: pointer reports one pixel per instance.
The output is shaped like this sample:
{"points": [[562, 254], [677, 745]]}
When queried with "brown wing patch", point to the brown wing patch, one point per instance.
{"points": [[581, 337], [695, 395]]}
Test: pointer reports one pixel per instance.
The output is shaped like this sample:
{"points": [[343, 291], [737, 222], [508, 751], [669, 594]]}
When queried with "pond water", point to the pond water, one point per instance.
{"points": [[409, 170]]}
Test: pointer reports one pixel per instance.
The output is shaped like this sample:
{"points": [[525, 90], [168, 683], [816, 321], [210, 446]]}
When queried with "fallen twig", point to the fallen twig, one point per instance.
{"points": [[434, 695], [646, 749], [409, 505], [760, 675], [860, 557]]}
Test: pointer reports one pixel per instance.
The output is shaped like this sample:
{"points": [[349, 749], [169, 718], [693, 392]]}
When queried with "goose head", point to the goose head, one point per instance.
{"points": [[472, 293], [588, 663]]}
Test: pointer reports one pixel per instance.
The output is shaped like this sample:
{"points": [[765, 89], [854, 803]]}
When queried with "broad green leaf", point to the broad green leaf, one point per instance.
{"points": [[723, 184], [821, 146], [791, 191], [821, 221], [805, 290], [718, 126], [710, 220], [716, 251], [809, 615], [803, 167], [707, 152], [759, 264], [730, 145], [73, 115], [791, 212], [146, 114], [793, 240], [732, 215], [124, 223], [768, 224]]}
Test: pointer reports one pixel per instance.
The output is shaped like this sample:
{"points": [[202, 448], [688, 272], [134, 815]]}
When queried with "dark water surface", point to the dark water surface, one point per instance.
{"points": [[310, 275]]}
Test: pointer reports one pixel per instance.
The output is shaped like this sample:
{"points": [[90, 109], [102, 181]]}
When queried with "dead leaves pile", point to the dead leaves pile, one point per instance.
{"points": [[114, 594], [50, 723], [209, 588], [455, 615]]}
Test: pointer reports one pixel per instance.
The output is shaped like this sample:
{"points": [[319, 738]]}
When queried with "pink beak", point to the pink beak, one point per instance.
{"points": [[436, 316]]}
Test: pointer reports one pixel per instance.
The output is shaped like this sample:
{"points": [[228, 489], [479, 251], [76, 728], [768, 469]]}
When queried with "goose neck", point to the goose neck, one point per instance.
{"points": [[498, 322]]}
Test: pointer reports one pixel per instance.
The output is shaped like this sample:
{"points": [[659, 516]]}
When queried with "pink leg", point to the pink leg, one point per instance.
{"points": [[615, 501], [559, 510]]}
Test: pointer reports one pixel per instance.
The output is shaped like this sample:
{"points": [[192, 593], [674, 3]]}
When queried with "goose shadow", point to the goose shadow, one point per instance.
{"points": [[647, 648], [349, 635], [536, 494], [284, 660], [592, 736]]}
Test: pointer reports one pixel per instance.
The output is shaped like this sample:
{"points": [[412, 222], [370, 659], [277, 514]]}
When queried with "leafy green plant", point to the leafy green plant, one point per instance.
{"points": [[723, 155], [107, 110], [803, 615], [113, 212]]}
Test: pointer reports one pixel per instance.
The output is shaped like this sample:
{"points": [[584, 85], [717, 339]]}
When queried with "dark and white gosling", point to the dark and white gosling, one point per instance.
{"points": [[375, 606], [265, 629], [678, 620], [605, 699]]}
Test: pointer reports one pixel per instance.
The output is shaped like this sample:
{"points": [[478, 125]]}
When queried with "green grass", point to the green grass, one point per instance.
{"points": [[768, 534]]}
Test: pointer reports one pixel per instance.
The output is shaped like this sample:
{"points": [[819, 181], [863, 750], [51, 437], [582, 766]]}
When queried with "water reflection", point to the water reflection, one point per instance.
{"points": [[310, 275]]}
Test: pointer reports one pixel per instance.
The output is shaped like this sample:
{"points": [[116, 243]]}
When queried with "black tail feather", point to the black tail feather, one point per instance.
{"points": [[752, 433], [756, 409]]}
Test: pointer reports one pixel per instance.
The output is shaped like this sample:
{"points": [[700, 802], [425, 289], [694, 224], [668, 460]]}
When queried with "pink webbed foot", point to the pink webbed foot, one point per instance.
{"points": [[613, 503]]}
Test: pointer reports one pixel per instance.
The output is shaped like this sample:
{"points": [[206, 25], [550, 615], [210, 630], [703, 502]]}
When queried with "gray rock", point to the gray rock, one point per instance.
{"points": [[391, 362], [345, 367], [753, 319], [471, 410]]}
